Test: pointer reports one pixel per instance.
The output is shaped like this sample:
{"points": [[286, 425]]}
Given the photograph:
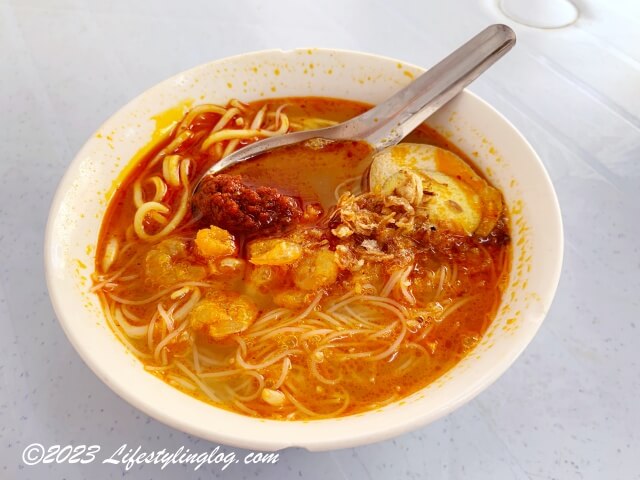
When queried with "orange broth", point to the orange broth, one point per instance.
{"points": [[345, 383]]}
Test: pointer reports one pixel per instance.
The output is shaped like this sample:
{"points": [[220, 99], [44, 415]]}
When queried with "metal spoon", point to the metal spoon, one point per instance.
{"points": [[392, 120]]}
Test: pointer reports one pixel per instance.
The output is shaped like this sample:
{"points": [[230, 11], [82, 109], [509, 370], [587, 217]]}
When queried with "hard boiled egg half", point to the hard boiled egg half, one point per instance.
{"points": [[454, 196]]}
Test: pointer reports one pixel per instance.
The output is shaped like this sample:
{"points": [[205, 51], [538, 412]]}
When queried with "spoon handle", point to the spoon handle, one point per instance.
{"points": [[392, 120]]}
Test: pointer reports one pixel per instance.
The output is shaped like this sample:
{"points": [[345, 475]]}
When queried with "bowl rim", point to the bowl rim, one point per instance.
{"points": [[355, 438]]}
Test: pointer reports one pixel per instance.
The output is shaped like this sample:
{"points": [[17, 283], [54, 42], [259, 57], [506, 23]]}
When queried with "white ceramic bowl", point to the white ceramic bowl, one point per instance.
{"points": [[497, 147]]}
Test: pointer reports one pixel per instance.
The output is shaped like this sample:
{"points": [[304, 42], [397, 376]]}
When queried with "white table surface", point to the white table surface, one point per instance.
{"points": [[568, 408]]}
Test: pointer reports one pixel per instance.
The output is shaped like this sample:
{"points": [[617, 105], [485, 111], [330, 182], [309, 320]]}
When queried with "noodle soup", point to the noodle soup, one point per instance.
{"points": [[315, 281]]}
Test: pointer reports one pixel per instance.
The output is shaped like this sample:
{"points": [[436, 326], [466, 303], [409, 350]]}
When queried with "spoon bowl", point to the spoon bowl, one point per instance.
{"points": [[392, 120]]}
